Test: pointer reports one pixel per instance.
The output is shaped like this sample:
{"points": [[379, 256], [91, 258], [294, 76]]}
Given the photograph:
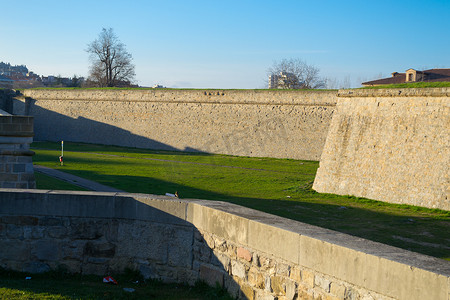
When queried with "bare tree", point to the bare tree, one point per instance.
{"points": [[294, 73], [111, 64]]}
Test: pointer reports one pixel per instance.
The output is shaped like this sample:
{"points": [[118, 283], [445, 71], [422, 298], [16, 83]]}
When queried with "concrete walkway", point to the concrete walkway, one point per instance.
{"points": [[75, 180]]}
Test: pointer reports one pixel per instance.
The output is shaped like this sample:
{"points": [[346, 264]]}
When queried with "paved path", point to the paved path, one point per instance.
{"points": [[84, 183]]}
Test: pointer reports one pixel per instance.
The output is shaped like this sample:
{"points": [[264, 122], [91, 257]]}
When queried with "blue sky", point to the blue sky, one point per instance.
{"points": [[230, 44]]}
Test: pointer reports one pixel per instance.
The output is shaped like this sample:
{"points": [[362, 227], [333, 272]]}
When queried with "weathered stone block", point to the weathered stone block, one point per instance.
{"points": [[337, 289], [14, 250], [99, 249], [221, 260], [247, 292], [308, 278], [19, 168], [267, 263], [256, 278], [322, 282], [211, 275], [201, 252], [33, 232], [73, 250], [7, 177], [260, 295], [295, 274], [291, 289], [283, 269], [57, 232], [244, 254], [232, 286], [278, 285], [180, 248], [51, 221], [46, 250], [14, 231], [238, 269], [20, 220], [148, 272]]}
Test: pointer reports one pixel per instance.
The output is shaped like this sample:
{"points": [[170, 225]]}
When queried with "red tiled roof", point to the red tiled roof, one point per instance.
{"points": [[432, 75]]}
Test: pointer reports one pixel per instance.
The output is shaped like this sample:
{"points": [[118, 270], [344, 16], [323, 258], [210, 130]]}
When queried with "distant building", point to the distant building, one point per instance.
{"points": [[5, 82], [411, 75], [284, 81]]}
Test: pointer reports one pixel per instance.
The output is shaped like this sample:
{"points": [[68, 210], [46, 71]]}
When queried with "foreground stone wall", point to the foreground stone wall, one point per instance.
{"points": [[284, 124], [252, 254], [389, 145], [16, 165]]}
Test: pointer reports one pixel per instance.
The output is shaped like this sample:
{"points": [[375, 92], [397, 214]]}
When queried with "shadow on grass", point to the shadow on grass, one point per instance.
{"points": [[61, 285]]}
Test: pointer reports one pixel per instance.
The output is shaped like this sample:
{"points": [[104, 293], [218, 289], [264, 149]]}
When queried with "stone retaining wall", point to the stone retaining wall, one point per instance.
{"points": [[389, 145], [284, 124], [252, 254]]}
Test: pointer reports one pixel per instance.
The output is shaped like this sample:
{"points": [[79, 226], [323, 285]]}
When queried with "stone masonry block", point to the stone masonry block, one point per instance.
{"points": [[19, 220], [244, 254], [9, 177], [308, 278], [221, 260], [295, 274], [283, 269], [211, 275], [238, 269], [291, 289], [260, 295], [247, 292], [256, 278], [33, 232], [278, 285], [19, 168], [45, 250], [14, 231], [337, 289], [322, 282], [13, 250], [99, 249]]}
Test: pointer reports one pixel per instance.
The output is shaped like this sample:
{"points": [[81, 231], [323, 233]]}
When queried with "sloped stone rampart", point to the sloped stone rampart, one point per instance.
{"points": [[252, 254], [261, 123], [389, 145]]}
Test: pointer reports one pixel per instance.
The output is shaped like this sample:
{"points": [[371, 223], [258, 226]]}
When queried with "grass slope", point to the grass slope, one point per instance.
{"points": [[277, 186]]}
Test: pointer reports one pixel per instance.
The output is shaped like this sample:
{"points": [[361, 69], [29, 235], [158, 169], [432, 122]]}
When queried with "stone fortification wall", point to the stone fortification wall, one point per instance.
{"points": [[252, 254], [284, 124], [16, 165], [389, 145]]}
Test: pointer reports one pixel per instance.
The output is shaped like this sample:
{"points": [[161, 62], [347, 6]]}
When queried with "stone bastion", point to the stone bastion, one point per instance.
{"points": [[391, 144]]}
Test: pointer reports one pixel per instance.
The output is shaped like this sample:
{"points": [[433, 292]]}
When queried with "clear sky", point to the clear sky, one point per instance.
{"points": [[228, 43]]}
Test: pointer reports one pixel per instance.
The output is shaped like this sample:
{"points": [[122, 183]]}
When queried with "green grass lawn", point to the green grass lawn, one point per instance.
{"points": [[58, 286], [277, 186], [45, 182]]}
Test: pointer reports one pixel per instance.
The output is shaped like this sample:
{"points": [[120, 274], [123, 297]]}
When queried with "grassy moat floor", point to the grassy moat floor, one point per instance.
{"points": [[278, 186], [59, 286]]}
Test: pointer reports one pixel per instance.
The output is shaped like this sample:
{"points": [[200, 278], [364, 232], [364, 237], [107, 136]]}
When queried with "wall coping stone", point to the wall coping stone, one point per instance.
{"points": [[262, 97], [112, 203]]}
